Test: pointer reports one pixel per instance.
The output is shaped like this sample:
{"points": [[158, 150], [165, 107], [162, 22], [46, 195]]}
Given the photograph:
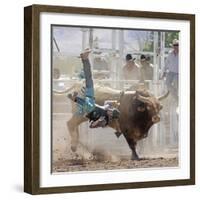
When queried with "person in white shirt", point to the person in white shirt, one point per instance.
{"points": [[172, 69]]}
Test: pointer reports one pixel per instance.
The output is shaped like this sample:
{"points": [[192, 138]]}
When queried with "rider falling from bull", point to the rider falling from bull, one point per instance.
{"points": [[99, 116]]}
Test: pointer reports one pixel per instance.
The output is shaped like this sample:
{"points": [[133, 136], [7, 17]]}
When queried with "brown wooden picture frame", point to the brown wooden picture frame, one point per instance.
{"points": [[32, 98]]}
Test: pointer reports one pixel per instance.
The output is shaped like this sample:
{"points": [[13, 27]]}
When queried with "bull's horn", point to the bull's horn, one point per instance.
{"points": [[160, 98], [130, 92], [143, 99], [66, 90]]}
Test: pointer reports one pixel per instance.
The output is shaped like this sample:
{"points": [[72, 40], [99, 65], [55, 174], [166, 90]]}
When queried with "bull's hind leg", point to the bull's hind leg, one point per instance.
{"points": [[132, 145], [76, 146], [73, 125]]}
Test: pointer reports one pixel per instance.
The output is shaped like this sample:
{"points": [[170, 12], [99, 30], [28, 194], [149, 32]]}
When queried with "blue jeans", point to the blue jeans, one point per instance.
{"points": [[172, 83], [87, 104]]}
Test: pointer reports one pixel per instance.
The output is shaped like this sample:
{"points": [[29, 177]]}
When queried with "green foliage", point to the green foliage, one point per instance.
{"points": [[169, 37], [148, 46]]}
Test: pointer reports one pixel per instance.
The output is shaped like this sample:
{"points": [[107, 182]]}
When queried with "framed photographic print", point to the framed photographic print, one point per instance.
{"points": [[109, 99]]}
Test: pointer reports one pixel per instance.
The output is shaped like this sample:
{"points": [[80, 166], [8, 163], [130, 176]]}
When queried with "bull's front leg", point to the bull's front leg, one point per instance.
{"points": [[132, 145]]}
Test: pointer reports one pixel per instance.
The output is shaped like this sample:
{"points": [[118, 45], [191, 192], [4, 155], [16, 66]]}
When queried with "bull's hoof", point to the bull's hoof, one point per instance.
{"points": [[118, 134], [135, 157], [73, 148]]}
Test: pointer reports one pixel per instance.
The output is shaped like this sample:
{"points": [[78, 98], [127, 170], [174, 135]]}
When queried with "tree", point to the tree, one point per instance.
{"points": [[148, 45], [169, 37]]}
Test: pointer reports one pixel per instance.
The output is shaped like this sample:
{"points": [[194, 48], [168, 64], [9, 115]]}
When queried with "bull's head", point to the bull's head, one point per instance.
{"points": [[151, 104], [141, 110]]}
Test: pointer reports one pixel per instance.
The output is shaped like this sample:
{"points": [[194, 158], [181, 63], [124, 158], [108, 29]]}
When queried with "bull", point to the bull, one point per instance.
{"points": [[139, 111]]}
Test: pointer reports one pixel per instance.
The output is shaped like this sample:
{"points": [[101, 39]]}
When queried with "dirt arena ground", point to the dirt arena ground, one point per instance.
{"points": [[93, 165], [108, 151]]}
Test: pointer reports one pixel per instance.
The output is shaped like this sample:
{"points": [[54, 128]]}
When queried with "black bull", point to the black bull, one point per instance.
{"points": [[139, 110]]}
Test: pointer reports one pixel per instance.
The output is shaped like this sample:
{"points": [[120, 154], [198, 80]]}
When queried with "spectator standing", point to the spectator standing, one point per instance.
{"points": [[172, 69], [131, 69]]}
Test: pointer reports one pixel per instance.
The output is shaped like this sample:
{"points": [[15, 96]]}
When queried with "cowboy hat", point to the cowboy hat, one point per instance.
{"points": [[175, 42]]}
